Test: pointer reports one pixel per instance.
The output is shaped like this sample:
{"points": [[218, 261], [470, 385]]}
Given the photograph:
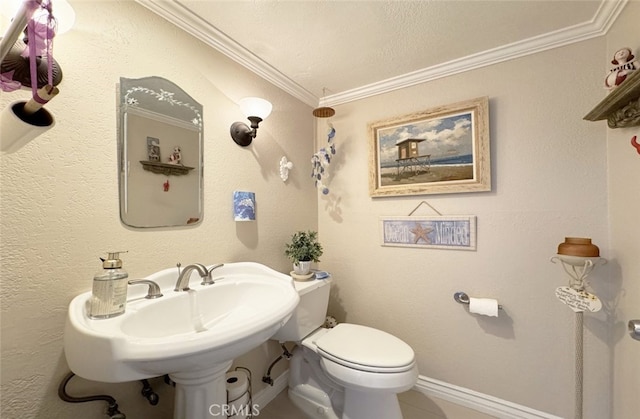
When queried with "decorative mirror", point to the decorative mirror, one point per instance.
{"points": [[160, 139]]}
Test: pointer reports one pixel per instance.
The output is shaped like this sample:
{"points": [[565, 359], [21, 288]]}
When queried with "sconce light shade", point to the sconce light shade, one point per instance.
{"points": [[256, 110], [255, 106]]}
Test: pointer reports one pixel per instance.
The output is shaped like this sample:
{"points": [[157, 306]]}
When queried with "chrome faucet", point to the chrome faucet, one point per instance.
{"points": [[183, 279]]}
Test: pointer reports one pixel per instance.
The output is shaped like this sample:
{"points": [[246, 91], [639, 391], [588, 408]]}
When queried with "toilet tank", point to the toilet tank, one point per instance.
{"points": [[310, 313]]}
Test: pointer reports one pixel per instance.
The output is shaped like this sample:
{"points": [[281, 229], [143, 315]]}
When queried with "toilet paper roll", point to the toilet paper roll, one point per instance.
{"points": [[238, 395], [237, 385], [484, 306], [240, 409]]}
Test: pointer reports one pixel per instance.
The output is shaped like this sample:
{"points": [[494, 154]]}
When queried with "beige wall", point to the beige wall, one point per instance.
{"points": [[549, 181], [60, 197], [59, 212], [624, 206]]}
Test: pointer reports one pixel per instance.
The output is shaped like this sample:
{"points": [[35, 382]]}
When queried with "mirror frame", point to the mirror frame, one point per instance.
{"points": [[160, 109]]}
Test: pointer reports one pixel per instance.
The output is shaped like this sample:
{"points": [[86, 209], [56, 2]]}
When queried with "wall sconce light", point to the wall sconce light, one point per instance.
{"points": [[256, 110]]}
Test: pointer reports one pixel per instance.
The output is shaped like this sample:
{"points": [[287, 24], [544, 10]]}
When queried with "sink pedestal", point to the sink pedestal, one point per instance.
{"points": [[201, 394]]}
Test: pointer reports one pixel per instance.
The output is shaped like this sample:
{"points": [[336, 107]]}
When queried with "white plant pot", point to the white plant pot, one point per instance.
{"points": [[302, 267]]}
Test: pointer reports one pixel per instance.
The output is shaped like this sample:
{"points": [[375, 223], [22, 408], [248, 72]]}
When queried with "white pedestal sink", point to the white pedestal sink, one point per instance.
{"points": [[191, 335]]}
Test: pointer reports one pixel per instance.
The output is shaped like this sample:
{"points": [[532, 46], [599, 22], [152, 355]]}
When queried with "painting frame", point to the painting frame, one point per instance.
{"points": [[445, 149], [453, 232]]}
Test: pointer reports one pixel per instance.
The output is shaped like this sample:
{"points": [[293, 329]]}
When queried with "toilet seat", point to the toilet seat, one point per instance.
{"points": [[365, 349]]}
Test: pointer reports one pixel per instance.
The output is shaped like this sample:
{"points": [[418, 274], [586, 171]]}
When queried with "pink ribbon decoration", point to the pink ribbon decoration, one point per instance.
{"points": [[40, 32], [7, 83], [40, 36]]}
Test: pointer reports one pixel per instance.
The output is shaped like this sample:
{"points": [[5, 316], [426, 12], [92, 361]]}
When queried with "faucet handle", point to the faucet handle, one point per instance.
{"points": [[154, 288], [207, 279]]}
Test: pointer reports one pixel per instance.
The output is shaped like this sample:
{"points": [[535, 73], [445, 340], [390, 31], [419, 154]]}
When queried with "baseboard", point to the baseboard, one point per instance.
{"points": [[431, 387], [264, 396], [477, 401]]}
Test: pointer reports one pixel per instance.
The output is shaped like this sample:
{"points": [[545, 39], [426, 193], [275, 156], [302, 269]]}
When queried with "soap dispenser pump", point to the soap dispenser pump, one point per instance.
{"points": [[109, 288]]}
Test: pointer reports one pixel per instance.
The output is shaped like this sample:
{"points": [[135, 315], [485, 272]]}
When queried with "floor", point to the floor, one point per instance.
{"points": [[414, 405]]}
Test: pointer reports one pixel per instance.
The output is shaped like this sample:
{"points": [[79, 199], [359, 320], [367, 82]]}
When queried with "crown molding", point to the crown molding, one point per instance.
{"points": [[186, 20], [606, 14], [182, 17]]}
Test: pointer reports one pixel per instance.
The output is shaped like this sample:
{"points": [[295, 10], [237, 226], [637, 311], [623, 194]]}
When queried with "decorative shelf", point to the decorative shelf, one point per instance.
{"points": [[621, 107], [165, 168]]}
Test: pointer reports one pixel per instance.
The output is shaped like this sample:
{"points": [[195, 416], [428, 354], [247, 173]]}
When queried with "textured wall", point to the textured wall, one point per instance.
{"points": [[624, 206], [59, 212], [59, 197], [549, 181]]}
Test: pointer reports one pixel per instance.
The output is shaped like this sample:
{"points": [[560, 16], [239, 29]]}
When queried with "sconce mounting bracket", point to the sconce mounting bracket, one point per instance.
{"points": [[242, 134]]}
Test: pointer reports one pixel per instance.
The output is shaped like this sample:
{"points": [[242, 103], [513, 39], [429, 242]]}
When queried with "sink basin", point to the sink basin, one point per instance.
{"points": [[181, 332]]}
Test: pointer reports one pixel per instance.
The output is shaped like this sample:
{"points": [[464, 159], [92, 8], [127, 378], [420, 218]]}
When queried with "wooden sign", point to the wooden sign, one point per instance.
{"points": [[578, 300], [439, 232]]}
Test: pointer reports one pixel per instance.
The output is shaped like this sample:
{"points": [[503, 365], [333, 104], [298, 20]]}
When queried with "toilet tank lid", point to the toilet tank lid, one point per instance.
{"points": [[304, 287], [365, 346]]}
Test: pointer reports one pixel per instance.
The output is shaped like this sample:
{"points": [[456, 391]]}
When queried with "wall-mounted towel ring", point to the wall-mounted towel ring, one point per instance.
{"points": [[463, 298]]}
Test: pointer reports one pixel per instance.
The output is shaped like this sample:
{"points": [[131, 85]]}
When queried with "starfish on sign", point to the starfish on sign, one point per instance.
{"points": [[421, 232]]}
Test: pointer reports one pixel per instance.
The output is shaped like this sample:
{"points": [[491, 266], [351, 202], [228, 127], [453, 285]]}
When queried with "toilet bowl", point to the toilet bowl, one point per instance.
{"points": [[347, 372]]}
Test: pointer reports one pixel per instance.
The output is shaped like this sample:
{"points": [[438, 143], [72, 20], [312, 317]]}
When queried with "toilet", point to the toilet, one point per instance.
{"points": [[347, 372]]}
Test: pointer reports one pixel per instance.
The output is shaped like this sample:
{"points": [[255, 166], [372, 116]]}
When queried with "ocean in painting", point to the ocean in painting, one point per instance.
{"points": [[441, 161]]}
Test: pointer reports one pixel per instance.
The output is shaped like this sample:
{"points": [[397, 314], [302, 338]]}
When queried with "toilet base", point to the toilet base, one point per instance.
{"points": [[314, 402], [320, 397], [367, 405]]}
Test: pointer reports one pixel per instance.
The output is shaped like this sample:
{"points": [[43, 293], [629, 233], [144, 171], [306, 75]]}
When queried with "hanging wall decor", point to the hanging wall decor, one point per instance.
{"points": [[244, 206], [284, 167], [28, 63], [322, 159], [436, 232], [439, 150]]}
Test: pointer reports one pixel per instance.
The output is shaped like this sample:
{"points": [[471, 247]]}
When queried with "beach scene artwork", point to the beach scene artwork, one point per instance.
{"points": [[440, 150], [434, 150]]}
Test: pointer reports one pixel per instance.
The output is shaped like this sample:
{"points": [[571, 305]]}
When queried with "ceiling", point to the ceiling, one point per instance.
{"points": [[332, 52]]}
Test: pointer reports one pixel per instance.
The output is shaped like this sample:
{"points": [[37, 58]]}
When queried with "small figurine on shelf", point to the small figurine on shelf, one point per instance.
{"points": [[624, 64], [176, 156]]}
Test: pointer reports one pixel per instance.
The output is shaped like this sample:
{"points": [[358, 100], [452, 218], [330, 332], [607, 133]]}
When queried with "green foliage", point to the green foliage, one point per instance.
{"points": [[304, 246]]}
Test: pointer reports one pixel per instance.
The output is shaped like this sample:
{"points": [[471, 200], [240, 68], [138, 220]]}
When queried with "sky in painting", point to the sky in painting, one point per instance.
{"points": [[445, 137]]}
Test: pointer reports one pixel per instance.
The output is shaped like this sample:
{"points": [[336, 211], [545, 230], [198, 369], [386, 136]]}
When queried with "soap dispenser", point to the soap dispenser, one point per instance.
{"points": [[109, 289]]}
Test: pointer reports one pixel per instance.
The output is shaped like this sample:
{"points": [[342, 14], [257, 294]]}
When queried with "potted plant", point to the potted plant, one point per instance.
{"points": [[303, 249]]}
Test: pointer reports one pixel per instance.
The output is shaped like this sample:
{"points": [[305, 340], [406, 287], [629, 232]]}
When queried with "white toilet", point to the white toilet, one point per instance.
{"points": [[347, 372]]}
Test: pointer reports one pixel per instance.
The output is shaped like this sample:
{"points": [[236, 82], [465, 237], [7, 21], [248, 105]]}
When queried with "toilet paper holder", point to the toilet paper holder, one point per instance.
{"points": [[463, 298]]}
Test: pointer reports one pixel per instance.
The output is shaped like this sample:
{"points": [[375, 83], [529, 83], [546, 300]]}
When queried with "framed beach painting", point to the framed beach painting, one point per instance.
{"points": [[439, 150]]}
